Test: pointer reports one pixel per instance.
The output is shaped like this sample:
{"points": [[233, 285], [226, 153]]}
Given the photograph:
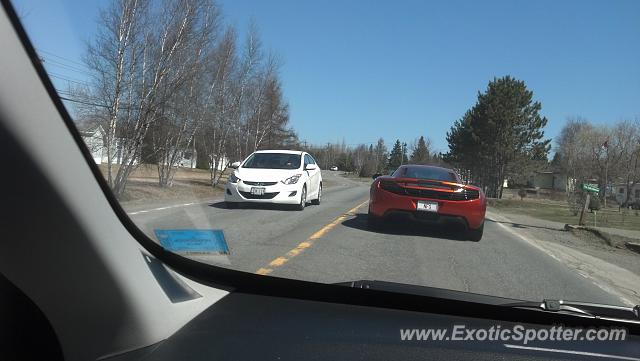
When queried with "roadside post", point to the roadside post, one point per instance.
{"points": [[584, 209], [588, 188]]}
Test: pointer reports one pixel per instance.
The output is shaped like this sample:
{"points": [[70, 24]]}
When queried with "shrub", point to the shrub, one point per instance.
{"points": [[522, 193], [575, 201]]}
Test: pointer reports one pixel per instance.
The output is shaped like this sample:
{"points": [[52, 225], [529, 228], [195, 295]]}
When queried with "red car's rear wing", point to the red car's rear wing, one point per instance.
{"points": [[428, 183], [430, 188]]}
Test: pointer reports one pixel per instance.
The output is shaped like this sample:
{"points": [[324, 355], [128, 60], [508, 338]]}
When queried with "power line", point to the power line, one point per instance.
{"points": [[81, 102], [69, 96], [62, 58], [62, 77], [77, 96], [65, 66], [72, 94]]}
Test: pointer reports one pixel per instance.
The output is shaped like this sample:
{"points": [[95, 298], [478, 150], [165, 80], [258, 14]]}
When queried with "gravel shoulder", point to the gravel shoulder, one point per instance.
{"points": [[612, 266]]}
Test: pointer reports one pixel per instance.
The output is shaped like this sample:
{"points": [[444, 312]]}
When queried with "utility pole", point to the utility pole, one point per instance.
{"points": [[606, 170], [584, 209], [327, 160]]}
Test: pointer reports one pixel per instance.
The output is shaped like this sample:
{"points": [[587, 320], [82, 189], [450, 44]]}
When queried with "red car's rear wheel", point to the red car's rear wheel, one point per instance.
{"points": [[373, 221], [476, 234]]}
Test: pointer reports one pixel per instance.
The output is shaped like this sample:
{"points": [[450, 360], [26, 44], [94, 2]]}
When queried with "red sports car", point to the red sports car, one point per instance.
{"points": [[428, 193]]}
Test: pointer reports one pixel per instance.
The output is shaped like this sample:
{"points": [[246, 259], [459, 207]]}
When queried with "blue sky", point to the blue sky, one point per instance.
{"points": [[359, 70]]}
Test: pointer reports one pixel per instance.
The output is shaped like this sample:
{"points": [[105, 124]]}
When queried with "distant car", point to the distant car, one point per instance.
{"points": [[334, 168], [275, 176], [428, 193]]}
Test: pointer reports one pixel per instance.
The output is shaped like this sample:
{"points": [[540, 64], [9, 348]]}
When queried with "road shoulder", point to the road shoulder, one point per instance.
{"points": [[616, 271]]}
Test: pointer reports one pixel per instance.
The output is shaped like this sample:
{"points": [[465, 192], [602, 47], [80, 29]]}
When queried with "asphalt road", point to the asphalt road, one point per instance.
{"points": [[331, 243]]}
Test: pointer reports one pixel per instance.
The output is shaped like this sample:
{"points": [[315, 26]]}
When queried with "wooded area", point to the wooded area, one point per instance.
{"points": [[166, 77]]}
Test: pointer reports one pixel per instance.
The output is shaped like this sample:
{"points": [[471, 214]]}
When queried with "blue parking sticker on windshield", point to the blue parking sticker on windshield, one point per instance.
{"points": [[193, 240]]}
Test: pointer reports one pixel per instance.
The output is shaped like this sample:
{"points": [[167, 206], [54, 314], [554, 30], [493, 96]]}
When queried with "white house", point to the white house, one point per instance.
{"points": [[621, 193], [223, 163], [549, 180], [187, 159], [95, 137]]}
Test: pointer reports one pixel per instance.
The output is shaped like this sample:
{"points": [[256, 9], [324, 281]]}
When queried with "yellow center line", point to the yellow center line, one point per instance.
{"points": [[308, 243]]}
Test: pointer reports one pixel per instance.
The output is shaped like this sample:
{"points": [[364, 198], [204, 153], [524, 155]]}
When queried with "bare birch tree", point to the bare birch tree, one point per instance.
{"points": [[113, 57], [163, 77]]}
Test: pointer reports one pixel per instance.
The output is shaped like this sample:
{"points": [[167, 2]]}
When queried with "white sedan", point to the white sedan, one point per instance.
{"points": [[275, 176]]}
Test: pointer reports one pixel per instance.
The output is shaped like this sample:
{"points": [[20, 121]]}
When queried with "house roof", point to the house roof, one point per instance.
{"points": [[89, 132]]}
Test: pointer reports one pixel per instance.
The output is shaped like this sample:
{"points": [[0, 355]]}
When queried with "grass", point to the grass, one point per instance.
{"points": [[189, 184], [355, 177], [143, 187], [560, 212]]}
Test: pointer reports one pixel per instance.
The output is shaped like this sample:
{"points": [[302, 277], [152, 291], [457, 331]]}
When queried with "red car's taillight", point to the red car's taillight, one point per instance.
{"points": [[391, 187]]}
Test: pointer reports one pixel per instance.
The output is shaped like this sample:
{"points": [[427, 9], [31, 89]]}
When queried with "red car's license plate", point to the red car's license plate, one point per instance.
{"points": [[427, 206]]}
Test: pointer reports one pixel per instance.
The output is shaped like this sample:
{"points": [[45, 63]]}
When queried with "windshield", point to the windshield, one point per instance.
{"points": [[273, 161], [534, 103]]}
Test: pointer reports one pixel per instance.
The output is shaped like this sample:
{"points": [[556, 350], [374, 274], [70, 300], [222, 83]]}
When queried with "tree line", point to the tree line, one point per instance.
{"points": [[167, 77], [604, 154], [368, 159], [502, 138]]}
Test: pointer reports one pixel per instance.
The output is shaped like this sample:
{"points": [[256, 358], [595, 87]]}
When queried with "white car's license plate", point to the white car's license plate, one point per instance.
{"points": [[257, 191], [427, 206]]}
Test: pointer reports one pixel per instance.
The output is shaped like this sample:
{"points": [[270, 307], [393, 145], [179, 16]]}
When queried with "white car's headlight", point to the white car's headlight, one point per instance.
{"points": [[233, 178], [292, 180]]}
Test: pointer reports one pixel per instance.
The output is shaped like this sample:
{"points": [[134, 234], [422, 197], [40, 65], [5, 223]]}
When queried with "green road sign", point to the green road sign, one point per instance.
{"points": [[590, 188]]}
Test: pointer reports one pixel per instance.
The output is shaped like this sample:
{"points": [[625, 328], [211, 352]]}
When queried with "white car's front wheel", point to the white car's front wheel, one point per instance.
{"points": [[303, 199]]}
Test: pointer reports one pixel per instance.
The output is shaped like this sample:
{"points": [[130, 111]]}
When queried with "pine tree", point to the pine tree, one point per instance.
{"points": [[420, 154], [405, 158], [380, 153], [499, 135], [396, 156]]}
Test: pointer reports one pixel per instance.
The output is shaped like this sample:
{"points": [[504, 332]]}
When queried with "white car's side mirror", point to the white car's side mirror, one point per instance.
{"points": [[310, 167], [235, 165]]}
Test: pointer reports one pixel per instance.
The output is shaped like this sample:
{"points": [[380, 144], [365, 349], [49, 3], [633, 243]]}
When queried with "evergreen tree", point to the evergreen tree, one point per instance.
{"points": [[405, 158], [420, 154], [369, 166], [499, 135], [380, 154], [396, 156]]}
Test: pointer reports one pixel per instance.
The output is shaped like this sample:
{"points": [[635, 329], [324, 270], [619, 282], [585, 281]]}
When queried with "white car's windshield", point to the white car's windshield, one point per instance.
{"points": [[273, 161]]}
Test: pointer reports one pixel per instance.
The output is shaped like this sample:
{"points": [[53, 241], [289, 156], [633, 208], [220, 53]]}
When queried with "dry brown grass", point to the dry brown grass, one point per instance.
{"points": [[560, 212], [143, 187], [150, 171]]}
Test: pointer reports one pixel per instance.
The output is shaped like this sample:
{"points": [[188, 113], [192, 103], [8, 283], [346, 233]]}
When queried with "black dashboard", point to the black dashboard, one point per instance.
{"points": [[259, 327]]}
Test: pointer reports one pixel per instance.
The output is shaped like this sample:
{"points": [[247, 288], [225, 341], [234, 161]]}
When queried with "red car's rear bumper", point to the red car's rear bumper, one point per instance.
{"points": [[383, 202]]}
